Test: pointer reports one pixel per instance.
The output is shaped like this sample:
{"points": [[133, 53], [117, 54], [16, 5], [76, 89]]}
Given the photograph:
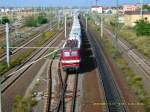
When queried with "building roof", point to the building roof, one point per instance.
{"points": [[129, 4], [136, 12], [96, 6]]}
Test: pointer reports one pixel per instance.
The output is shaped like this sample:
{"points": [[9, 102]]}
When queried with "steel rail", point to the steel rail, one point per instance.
{"points": [[143, 63], [2, 57], [73, 104], [42, 51], [61, 102], [48, 104], [114, 101]]}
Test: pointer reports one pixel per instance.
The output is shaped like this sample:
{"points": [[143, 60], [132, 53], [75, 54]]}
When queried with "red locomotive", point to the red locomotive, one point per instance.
{"points": [[70, 54]]}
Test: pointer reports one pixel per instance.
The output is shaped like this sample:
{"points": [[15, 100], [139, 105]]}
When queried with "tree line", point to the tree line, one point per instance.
{"points": [[34, 21]]}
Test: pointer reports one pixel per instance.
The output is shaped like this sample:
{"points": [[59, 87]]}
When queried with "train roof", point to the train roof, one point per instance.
{"points": [[74, 40]]}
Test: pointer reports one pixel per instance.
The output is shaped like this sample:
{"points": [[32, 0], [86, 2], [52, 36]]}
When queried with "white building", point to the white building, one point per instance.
{"points": [[2, 10], [130, 7], [98, 9]]}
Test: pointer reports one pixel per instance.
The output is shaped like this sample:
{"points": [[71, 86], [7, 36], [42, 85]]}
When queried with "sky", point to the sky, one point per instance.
{"points": [[21, 3]]}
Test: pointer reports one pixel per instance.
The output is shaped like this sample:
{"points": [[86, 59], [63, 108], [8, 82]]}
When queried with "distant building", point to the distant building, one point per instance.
{"points": [[115, 9], [107, 10], [98, 9], [2, 10], [131, 17], [130, 7], [5, 10]]}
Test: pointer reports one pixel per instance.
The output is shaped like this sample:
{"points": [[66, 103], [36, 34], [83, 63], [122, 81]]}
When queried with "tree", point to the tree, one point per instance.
{"points": [[146, 7], [5, 20], [42, 18], [142, 28], [33, 21]]}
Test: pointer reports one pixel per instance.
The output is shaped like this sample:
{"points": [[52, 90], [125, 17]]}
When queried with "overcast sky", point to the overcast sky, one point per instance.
{"points": [[64, 2]]}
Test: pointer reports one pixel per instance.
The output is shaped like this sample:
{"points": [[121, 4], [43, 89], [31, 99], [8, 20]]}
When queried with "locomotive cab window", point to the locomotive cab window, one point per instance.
{"points": [[66, 54], [74, 53]]}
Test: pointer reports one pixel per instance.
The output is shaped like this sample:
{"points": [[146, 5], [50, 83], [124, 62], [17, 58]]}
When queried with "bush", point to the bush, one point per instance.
{"points": [[33, 21], [113, 24], [23, 105], [5, 20], [146, 7], [42, 19], [142, 28]]}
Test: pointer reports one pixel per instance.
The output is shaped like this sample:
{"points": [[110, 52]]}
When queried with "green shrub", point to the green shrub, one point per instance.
{"points": [[23, 105], [142, 27], [41, 19], [34, 21], [146, 7], [5, 20]]}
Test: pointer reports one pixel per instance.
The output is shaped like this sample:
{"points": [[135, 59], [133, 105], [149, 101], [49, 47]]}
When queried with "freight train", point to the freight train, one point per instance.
{"points": [[70, 53]]}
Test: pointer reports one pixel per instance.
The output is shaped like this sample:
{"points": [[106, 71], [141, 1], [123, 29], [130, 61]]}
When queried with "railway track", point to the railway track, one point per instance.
{"points": [[18, 82], [142, 63], [66, 95], [67, 99], [113, 96], [3, 56], [12, 27], [12, 77]]}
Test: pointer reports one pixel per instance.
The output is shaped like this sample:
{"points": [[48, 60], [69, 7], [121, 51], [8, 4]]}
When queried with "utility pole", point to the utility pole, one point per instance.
{"points": [[141, 9], [50, 19], [101, 26], [7, 45], [96, 2], [0, 94], [116, 24], [58, 19], [16, 28], [65, 27], [86, 22]]}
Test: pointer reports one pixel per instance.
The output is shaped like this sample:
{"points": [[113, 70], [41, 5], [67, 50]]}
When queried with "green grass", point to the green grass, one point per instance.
{"points": [[49, 51], [23, 104], [1, 50], [134, 81], [14, 62], [47, 35]]}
